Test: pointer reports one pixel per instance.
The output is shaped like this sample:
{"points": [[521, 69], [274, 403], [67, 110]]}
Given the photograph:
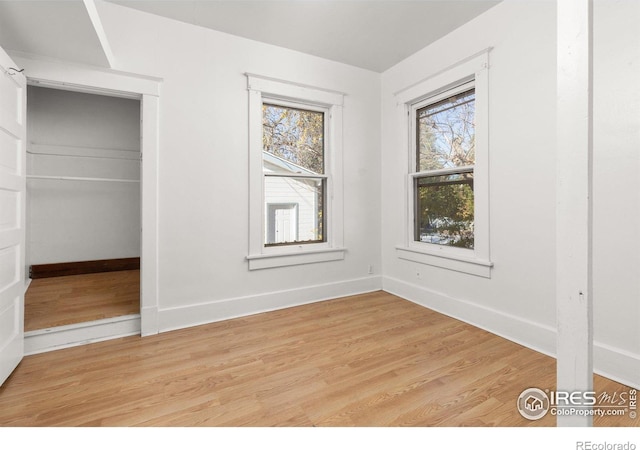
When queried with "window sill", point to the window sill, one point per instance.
{"points": [[439, 258], [294, 258]]}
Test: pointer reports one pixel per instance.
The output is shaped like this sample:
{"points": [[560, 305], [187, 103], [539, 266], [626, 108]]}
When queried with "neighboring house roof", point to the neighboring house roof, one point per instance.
{"points": [[283, 164]]}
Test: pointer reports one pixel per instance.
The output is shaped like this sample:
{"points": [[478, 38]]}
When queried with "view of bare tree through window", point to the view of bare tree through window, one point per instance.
{"points": [[293, 165], [444, 202], [295, 135]]}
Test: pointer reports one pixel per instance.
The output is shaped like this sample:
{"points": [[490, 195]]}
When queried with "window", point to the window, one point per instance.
{"points": [[295, 159], [447, 180], [295, 181], [445, 158]]}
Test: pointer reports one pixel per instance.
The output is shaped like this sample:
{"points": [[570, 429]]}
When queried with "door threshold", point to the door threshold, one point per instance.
{"points": [[56, 338]]}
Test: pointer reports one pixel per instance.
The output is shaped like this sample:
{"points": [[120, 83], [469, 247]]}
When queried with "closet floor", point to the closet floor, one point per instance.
{"points": [[57, 301]]}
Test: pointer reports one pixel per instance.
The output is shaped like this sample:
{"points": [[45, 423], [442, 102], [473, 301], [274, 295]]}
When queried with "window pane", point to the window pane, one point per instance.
{"points": [[446, 133], [292, 139], [444, 210], [294, 209]]}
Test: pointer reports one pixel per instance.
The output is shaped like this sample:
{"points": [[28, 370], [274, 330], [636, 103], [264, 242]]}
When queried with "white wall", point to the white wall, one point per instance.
{"points": [[616, 194], [518, 302], [80, 221], [203, 175]]}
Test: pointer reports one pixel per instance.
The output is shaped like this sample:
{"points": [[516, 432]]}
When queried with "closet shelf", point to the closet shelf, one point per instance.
{"points": [[110, 180], [133, 157]]}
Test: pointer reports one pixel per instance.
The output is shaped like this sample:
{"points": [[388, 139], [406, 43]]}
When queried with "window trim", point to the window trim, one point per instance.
{"points": [[474, 261], [270, 90]]}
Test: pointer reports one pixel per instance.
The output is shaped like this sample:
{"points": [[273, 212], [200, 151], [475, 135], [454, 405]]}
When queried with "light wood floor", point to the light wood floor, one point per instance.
{"points": [[367, 360], [52, 302]]}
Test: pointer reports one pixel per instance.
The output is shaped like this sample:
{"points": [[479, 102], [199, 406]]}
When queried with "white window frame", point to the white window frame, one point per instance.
{"points": [[472, 72], [269, 90]]}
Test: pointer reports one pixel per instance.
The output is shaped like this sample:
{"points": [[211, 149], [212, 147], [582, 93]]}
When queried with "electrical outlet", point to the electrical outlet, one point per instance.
{"points": [[418, 274], [370, 270]]}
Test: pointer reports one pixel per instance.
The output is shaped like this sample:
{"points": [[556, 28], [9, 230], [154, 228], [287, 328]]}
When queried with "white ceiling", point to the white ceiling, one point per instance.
{"points": [[372, 34], [56, 29]]}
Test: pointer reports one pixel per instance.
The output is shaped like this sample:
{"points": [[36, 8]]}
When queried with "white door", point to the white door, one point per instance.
{"points": [[13, 96], [282, 223]]}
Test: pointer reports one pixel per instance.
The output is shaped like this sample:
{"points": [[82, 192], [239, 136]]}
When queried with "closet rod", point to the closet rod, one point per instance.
{"points": [[137, 158], [110, 180]]}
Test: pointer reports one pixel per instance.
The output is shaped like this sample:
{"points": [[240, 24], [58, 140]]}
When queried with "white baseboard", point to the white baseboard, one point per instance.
{"points": [[610, 362], [57, 338], [215, 311], [616, 364]]}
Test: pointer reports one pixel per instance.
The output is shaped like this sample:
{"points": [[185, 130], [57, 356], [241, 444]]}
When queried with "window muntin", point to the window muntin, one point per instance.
{"points": [[445, 158], [294, 164]]}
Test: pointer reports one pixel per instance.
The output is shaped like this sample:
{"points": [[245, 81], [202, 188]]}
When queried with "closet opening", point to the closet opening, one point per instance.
{"points": [[83, 220]]}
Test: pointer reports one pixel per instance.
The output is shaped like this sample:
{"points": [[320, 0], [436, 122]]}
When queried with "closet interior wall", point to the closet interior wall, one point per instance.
{"points": [[75, 136]]}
